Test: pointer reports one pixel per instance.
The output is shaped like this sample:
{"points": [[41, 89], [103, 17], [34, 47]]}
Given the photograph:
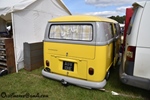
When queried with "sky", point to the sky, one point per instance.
{"points": [[105, 8]]}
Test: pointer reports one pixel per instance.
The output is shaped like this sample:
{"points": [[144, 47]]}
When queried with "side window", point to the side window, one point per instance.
{"points": [[112, 31], [117, 28], [108, 30], [71, 32]]}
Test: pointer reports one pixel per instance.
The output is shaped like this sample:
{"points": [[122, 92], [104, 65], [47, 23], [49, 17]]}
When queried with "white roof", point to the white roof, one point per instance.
{"points": [[8, 6]]}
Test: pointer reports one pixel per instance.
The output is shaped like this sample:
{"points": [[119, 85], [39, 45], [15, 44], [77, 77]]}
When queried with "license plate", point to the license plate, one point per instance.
{"points": [[68, 65]]}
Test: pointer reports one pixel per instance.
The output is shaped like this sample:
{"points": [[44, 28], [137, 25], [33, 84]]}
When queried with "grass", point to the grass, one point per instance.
{"points": [[33, 83]]}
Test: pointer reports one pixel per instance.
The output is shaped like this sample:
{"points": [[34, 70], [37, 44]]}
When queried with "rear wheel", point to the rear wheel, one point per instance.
{"points": [[107, 75]]}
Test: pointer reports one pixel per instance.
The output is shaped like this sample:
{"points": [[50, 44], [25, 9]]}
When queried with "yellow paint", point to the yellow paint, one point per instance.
{"points": [[83, 56], [82, 18], [100, 58]]}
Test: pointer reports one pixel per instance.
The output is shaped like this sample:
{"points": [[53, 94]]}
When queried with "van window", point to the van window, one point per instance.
{"points": [[131, 22], [117, 29], [108, 29], [71, 32]]}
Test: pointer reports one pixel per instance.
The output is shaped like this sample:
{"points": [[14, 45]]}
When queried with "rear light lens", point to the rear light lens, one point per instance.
{"points": [[91, 71], [130, 56], [47, 63]]}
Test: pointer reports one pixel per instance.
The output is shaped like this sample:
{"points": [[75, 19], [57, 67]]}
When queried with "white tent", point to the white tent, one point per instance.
{"points": [[29, 19]]}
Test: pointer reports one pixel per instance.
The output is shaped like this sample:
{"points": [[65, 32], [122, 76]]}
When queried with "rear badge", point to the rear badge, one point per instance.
{"points": [[66, 53]]}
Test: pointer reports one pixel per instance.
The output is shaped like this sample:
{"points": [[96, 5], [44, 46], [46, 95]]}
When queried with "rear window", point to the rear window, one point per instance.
{"points": [[71, 32], [132, 21]]}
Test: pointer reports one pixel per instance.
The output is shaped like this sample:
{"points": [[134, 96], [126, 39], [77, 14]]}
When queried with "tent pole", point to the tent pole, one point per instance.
{"points": [[14, 40]]}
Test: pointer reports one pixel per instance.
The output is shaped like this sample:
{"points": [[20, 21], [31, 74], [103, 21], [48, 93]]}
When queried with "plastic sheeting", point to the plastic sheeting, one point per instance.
{"points": [[29, 19]]}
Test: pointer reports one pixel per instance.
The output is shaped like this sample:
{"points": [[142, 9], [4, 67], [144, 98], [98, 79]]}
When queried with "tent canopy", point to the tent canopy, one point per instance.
{"points": [[29, 19], [8, 6]]}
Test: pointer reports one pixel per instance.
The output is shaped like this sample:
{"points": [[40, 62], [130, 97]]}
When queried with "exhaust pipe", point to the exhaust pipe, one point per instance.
{"points": [[64, 83]]}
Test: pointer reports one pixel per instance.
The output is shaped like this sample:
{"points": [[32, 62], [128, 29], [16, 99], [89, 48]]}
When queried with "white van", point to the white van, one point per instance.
{"points": [[135, 67]]}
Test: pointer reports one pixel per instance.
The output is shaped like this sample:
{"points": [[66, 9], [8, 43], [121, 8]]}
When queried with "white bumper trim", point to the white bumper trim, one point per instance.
{"points": [[79, 82]]}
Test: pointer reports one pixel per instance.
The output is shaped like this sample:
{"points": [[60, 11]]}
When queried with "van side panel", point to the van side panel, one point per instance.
{"points": [[144, 30], [109, 55], [142, 63], [101, 64]]}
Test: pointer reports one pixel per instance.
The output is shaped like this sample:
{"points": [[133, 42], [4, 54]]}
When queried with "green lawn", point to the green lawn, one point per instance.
{"points": [[17, 86]]}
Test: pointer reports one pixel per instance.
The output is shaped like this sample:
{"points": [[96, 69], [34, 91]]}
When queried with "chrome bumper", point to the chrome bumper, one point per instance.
{"points": [[75, 81]]}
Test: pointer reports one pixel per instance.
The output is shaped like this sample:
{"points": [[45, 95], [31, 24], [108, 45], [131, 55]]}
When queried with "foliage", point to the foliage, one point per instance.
{"points": [[120, 19]]}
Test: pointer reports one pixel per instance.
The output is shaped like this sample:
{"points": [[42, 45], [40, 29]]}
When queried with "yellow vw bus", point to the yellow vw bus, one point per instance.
{"points": [[81, 49]]}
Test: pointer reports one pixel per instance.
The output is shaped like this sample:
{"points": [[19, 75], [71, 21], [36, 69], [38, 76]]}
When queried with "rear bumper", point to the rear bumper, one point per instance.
{"points": [[133, 80], [75, 81]]}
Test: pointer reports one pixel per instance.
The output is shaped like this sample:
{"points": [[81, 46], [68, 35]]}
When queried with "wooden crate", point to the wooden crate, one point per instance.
{"points": [[33, 55]]}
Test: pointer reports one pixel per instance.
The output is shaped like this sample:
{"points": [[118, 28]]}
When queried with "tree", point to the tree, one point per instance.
{"points": [[119, 19]]}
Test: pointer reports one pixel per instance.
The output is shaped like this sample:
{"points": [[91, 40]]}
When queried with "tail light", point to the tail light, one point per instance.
{"points": [[47, 63], [91, 71], [130, 56]]}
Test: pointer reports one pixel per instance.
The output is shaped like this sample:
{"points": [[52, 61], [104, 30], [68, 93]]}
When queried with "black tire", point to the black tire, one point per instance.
{"points": [[107, 75], [3, 72]]}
